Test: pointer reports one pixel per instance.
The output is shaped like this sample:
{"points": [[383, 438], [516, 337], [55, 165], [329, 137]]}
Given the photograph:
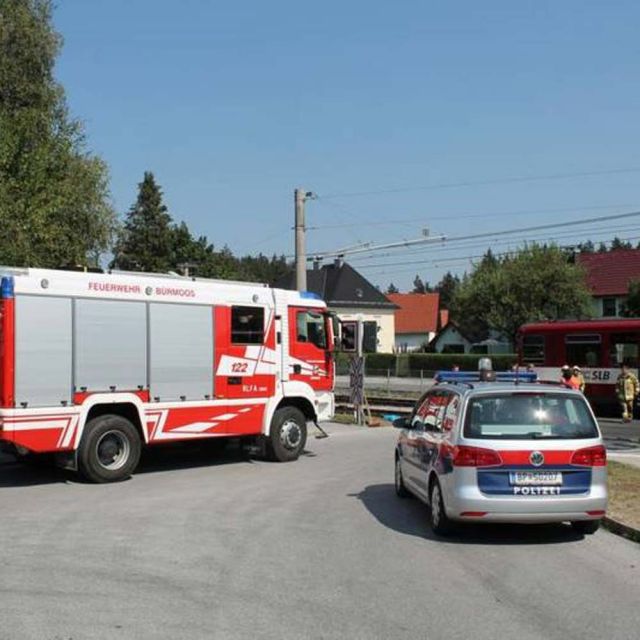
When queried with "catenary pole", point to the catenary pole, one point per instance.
{"points": [[301, 258]]}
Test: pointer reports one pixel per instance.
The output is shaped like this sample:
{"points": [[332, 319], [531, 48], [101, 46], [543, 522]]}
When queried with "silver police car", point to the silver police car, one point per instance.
{"points": [[503, 452]]}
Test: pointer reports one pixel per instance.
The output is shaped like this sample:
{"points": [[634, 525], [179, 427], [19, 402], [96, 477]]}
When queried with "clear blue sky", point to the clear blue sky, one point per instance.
{"points": [[233, 104]]}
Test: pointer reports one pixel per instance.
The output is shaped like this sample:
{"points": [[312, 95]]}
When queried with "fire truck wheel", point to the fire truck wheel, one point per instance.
{"points": [[109, 450], [288, 434]]}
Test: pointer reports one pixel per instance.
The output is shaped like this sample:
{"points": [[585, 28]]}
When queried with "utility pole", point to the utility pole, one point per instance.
{"points": [[300, 196]]}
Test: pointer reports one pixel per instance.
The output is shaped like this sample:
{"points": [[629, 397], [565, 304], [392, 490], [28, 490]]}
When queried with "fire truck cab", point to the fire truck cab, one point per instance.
{"points": [[94, 366]]}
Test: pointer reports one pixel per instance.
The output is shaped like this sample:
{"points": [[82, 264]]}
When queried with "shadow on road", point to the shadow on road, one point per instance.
{"points": [[189, 455], [158, 458], [409, 516], [22, 474]]}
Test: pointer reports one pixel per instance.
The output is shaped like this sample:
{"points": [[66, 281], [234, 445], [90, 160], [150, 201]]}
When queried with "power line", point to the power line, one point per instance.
{"points": [[459, 260], [475, 183], [473, 244], [458, 216], [540, 227]]}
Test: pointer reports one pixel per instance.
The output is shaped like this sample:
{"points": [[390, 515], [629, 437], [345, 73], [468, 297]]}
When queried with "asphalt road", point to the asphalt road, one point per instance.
{"points": [[201, 547]]}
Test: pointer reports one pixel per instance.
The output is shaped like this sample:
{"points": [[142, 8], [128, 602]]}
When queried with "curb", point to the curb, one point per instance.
{"points": [[621, 529]]}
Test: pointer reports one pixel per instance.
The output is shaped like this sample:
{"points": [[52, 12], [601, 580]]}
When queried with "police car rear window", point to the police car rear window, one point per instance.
{"points": [[520, 416]]}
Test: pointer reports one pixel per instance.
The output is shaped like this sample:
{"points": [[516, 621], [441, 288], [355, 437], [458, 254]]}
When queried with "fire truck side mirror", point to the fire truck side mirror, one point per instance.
{"points": [[349, 336]]}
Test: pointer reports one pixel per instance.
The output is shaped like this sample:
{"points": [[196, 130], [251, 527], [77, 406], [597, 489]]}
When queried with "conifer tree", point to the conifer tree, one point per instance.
{"points": [[147, 241]]}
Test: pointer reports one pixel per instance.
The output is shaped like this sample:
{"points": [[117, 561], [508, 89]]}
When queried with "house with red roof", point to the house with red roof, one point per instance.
{"points": [[608, 276], [417, 319]]}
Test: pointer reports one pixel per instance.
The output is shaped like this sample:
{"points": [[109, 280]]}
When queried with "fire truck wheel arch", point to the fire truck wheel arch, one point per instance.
{"points": [[299, 395], [102, 403]]}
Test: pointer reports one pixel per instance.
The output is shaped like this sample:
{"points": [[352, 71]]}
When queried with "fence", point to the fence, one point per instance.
{"points": [[421, 365]]}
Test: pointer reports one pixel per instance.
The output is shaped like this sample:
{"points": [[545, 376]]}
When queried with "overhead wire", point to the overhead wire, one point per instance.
{"points": [[474, 183], [458, 216], [504, 232], [452, 261], [443, 247]]}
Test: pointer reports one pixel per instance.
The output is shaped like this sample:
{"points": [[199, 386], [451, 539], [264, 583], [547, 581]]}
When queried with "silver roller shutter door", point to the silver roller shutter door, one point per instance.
{"points": [[110, 345], [181, 351], [43, 351]]}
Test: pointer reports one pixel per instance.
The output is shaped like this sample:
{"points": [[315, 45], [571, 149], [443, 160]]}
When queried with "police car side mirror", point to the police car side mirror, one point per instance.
{"points": [[401, 423]]}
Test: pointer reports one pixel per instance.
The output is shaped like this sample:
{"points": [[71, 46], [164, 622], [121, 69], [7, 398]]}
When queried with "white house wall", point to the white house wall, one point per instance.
{"points": [[385, 319], [412, 341], [451, 336]]}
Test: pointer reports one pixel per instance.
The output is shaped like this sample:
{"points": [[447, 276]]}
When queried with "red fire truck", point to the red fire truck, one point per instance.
{"points": [[598, 347], [94, 366]]}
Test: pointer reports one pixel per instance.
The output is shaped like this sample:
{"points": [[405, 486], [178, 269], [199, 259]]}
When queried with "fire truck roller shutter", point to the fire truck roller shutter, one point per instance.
{"points": [[43, 351], [110, 345], [180, 351]]}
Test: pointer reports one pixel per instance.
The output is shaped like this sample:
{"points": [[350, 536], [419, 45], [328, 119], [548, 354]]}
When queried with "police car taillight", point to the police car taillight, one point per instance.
{"points": [[475, 457], [590, 457]]}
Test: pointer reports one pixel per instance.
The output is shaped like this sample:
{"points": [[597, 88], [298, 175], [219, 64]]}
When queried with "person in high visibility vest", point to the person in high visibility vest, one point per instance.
{"points": [[567, 378], [577, 373], [627, 390]]}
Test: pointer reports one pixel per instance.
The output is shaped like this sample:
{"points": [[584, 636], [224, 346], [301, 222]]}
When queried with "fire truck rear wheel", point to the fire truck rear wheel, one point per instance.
{"points": [[288, 434], [109, 450]]}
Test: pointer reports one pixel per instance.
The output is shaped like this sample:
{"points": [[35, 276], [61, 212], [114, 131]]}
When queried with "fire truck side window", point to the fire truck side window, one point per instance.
{"points": [[310, 328], [247, 325]]}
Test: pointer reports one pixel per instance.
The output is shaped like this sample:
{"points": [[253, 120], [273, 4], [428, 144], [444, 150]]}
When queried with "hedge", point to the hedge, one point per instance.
{"points": [[411, 364], [466, 362]]}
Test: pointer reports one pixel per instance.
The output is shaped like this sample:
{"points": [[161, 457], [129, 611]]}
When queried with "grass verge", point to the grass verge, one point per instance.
{"points": [[624, 493]]}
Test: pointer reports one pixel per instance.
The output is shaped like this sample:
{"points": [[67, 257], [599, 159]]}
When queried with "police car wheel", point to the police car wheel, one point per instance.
{"points": [[438, 520], [109, 450], [586, 527], [401, 490], [288, 435]]}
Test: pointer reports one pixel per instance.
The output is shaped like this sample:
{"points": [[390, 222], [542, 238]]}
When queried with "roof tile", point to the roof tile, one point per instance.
{"points": [[609, 274], [418, 312]]}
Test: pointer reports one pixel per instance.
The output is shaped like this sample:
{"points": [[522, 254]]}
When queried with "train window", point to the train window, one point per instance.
{"points": [[533, 349], [583, 349], [623, 349]]}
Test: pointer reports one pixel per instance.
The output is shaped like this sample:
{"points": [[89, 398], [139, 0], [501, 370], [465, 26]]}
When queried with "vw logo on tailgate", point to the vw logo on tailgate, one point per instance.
{"points": [[536, 458]]}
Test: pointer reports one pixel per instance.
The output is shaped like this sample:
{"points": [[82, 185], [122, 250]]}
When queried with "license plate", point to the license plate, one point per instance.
{"points": [[535, 478]]}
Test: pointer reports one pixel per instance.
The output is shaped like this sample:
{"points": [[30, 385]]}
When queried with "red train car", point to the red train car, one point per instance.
{"points": [[598, 347]]}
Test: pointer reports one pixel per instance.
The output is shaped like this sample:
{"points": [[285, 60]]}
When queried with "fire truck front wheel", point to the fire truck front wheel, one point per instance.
{"points": [[109, 450], [288, 434]]}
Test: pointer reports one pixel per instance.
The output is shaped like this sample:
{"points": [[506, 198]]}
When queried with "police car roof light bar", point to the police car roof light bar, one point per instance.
{"points": [[475, 376]]}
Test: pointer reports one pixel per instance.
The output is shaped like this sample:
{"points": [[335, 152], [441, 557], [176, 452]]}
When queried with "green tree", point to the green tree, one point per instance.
{"points": [[148, 241], [418, 285], [617, 243], [421, 287], [262, 268], [392, 288], [586, 247], [631, 308], [54, 201], [447, 288], [536, 283]]}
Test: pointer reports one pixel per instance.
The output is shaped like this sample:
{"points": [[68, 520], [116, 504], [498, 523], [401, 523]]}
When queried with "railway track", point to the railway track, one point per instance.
{"points": [[378, 405]]}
